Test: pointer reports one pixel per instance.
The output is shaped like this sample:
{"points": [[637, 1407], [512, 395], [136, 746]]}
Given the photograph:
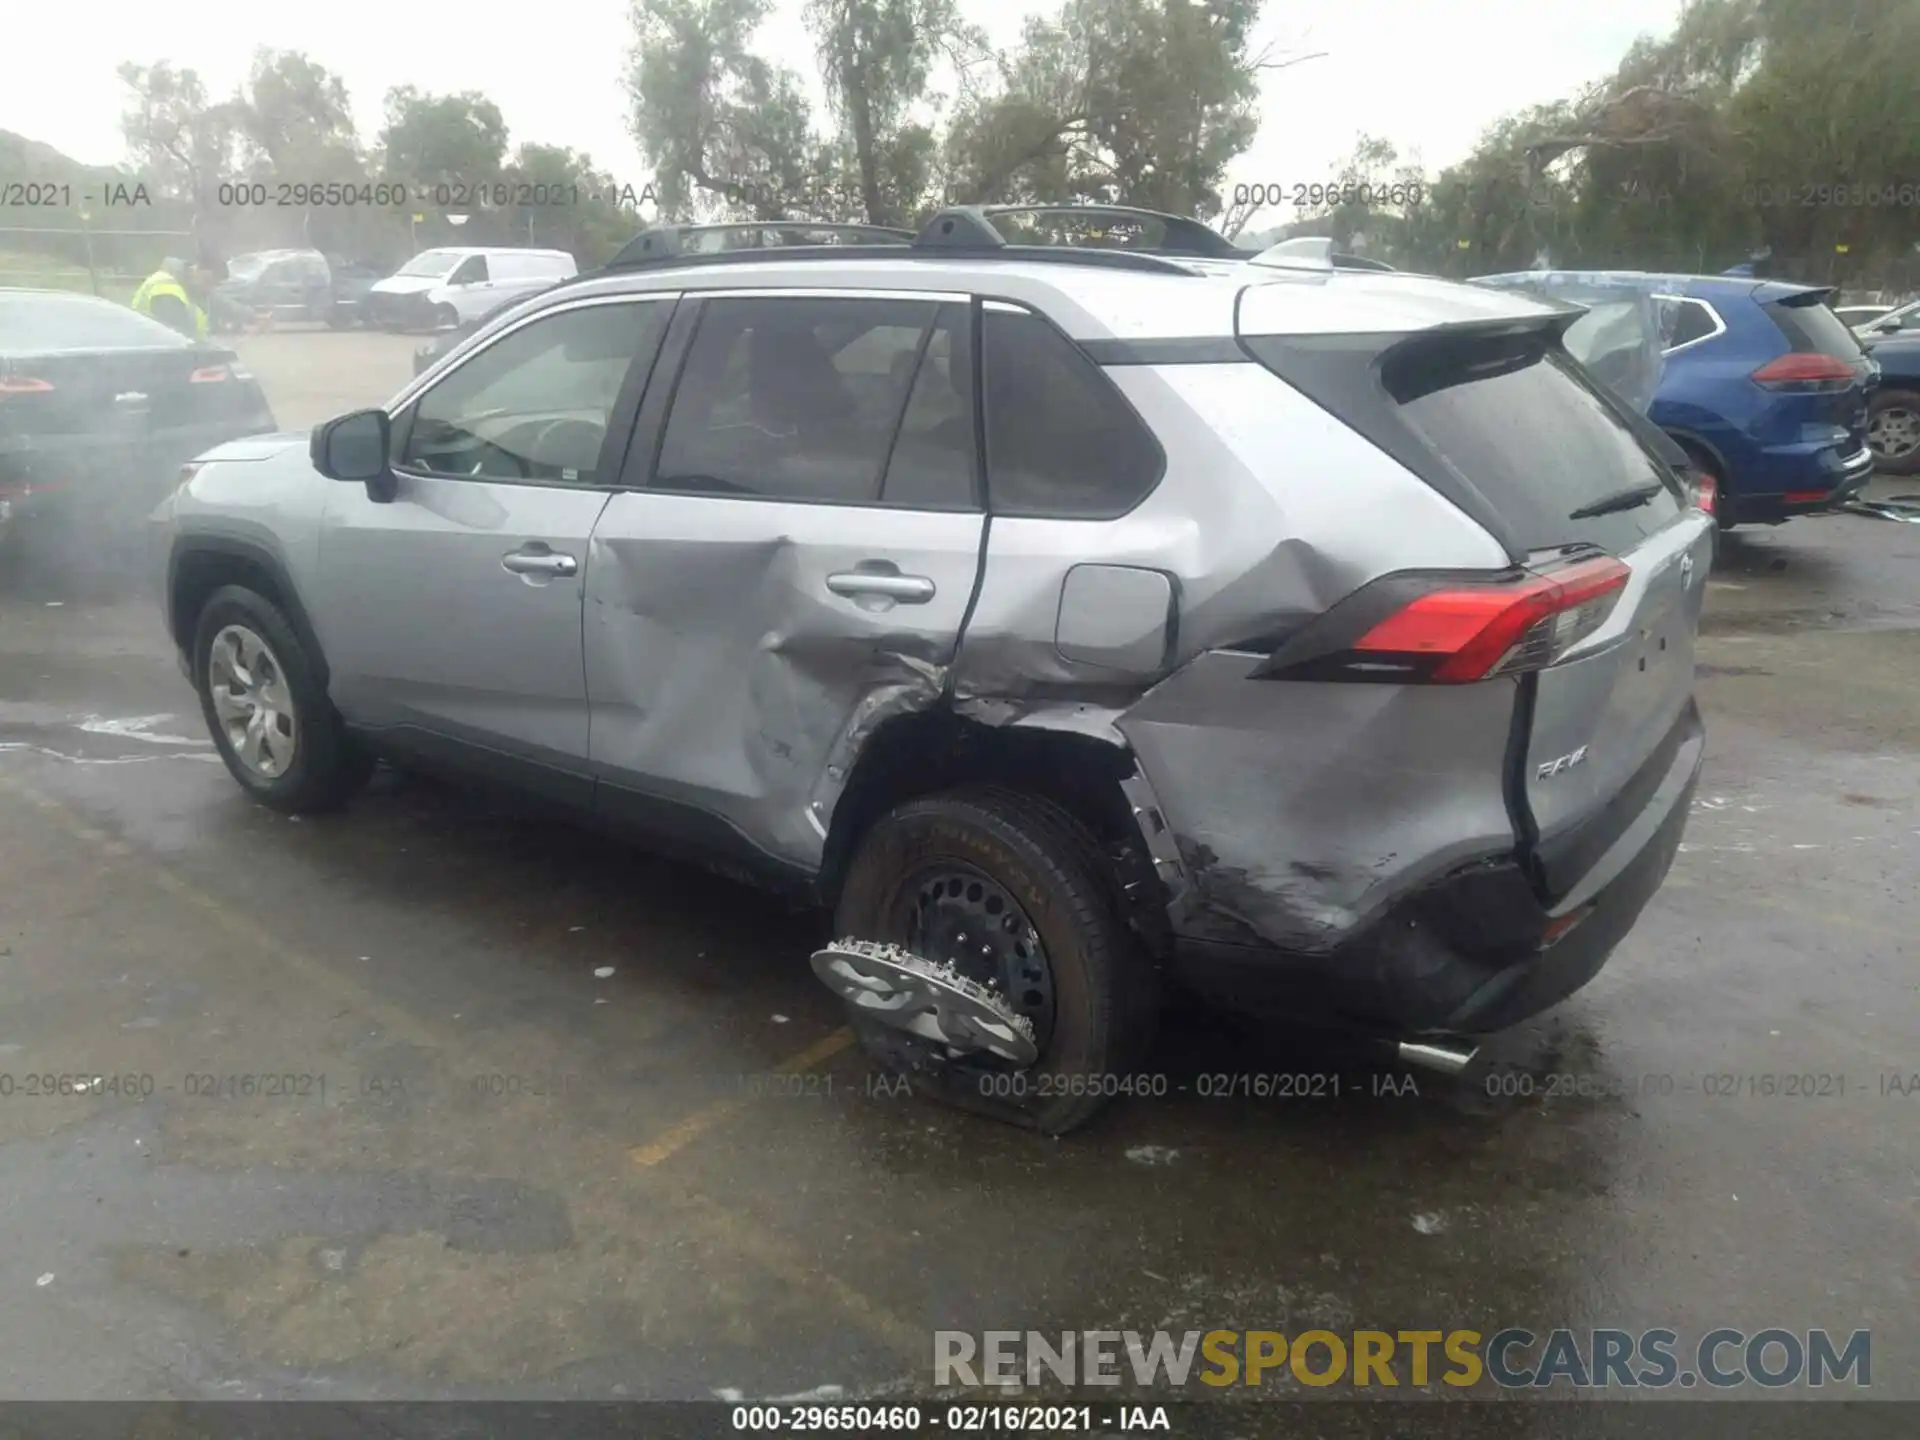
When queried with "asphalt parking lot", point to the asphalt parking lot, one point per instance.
{"points": [[567, 1120]]}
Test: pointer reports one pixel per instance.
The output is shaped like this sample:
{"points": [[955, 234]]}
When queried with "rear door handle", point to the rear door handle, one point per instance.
{"points": [[541, 561], [887, 584]]}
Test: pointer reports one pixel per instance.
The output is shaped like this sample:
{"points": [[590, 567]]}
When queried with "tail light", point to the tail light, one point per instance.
{"points": [[22, 385], [1705, 491], [1806, 372], [1453, 630], [213, 375]]}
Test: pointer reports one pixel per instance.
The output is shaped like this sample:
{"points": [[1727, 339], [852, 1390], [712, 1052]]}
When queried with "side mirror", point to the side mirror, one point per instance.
{"points": [[354, 448]]}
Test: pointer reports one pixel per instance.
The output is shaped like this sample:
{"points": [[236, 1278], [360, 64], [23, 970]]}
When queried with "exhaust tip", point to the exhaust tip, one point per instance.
{"points": [[1427, 1055]]}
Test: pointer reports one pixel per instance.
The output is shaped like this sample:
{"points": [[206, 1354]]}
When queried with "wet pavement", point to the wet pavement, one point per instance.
{"points": [[429, 1099]]}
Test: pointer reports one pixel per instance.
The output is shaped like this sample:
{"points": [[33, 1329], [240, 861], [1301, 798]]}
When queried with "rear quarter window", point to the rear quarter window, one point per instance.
{"points": [[1814, 329], [1062, 442]]}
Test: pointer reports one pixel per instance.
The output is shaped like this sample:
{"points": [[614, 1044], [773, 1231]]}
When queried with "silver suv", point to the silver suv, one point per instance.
{"points": [[1080, 624]]}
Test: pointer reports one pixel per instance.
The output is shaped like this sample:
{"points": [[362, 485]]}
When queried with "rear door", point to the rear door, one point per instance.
{"points": [[792, 564], [1499, 419]]}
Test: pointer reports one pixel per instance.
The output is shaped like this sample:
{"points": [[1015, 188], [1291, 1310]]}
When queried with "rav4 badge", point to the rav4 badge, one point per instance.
{"points": [[1562, 765]]}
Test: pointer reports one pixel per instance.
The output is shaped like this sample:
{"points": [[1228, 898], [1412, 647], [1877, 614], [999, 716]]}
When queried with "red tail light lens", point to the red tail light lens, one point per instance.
{"points": [[1804, 370], [1481, 631], [211, 374], [1706, 492], [22, 385], [1411, 629]]}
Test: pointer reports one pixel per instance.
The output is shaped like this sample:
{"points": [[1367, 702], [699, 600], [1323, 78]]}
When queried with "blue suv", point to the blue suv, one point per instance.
{"points": [[1761, 383]]}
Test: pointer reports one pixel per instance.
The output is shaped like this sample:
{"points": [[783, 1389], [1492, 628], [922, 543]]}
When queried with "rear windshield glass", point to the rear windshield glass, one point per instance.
{"points": [[1815, 329], [1520, 426], [39, 324]]}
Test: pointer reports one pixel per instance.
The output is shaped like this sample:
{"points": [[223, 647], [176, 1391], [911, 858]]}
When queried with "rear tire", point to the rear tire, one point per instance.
{"points": [[247, 661], [1896, 414], [1103, 997]]}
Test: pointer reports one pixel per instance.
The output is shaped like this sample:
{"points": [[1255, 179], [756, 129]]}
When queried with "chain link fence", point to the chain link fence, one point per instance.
{"points": [[107, 263]]}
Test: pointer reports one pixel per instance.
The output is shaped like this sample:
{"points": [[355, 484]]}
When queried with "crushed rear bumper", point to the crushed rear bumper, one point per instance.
{"points": [[1462, 955]]}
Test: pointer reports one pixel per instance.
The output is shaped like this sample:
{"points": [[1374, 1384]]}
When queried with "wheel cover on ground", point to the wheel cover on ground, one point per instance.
{"points": [[252, 702]]}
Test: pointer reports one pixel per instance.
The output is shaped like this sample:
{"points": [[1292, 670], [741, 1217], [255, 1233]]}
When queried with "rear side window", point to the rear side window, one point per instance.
{"points": [[1515, 420], [1061, 441], [932, 463], [1690, 320], [793, 398], [1812, 328]]}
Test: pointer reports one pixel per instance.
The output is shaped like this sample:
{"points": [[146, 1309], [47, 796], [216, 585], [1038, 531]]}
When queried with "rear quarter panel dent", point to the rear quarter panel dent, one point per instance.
{"points": [[1301, 810]]}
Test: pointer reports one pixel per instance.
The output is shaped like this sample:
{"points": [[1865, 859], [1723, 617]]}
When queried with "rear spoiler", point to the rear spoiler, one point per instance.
{"points": [[1796, 299]]}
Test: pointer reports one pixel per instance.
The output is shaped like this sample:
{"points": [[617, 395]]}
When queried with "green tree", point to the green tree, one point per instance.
{"points": [[710, 116], [442, 139], [179, 140], [877, 58], [572, 204], [1137, 101]]}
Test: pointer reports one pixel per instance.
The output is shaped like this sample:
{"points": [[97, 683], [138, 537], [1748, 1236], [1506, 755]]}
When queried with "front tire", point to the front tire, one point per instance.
{"points": [[1095, 1006], [1893, 422], [268, 714]]}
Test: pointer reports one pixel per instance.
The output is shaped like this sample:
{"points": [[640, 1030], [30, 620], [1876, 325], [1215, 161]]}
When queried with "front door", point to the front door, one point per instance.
{"points": [[797, 567], [451, 615], [470, 289]]}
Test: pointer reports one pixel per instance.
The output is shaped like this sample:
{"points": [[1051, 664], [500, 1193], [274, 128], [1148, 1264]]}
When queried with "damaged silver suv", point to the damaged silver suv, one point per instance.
{"points": [[1081, 623]]}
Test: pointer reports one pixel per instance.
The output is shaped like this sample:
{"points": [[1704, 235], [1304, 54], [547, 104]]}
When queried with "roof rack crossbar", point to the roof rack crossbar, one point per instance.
{"points": [[972, 227]]}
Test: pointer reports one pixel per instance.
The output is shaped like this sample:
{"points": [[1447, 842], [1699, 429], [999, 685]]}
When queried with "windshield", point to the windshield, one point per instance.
{"points": [[247, 267], [431, 262], [37, 324]]}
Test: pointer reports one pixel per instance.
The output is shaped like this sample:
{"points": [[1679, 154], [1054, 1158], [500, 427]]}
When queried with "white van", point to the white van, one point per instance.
{"points": [[447, 286]]}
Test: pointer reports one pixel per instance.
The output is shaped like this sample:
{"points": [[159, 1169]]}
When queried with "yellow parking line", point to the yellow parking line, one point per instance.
{"points": [[676, 1138]]}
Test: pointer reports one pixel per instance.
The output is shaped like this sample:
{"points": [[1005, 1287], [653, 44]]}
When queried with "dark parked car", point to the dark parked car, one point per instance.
{"points": [[351, 283], [287, 284], [1893, 427], [99, 408]]}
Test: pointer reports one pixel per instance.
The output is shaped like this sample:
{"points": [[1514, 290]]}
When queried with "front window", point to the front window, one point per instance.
{"points": [[534, 405]]}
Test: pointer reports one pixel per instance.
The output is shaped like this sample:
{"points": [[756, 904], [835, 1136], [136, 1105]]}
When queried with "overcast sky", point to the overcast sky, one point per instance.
{"points": [[1426, 76]]}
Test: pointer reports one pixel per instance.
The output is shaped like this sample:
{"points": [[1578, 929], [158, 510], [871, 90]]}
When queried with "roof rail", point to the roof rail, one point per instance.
{"points": [[973, 227], [670, 242], [958, 229]]}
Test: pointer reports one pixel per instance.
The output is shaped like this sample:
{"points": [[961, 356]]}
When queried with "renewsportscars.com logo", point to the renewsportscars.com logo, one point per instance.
{"points": [[1514, 1358]]}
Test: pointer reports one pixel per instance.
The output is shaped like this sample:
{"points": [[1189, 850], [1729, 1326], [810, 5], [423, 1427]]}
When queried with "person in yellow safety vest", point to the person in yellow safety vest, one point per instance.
{"points": [[177, 293]]}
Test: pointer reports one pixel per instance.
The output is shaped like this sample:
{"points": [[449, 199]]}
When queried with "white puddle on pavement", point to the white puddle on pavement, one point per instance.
{"points": [[139, 727]]}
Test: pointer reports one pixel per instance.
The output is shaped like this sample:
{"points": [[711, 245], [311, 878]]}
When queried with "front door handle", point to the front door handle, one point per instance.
{"points": [[540, 561], [888, 584]]}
